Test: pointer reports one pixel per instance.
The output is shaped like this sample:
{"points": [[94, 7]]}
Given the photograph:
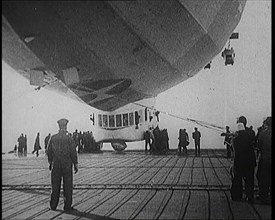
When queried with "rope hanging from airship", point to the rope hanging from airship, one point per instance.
{"points": [[201, 123]]}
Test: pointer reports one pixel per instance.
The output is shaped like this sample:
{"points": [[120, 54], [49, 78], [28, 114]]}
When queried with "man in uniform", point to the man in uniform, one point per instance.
{"points": [[264, 173], [61, 156], [244, 163]]}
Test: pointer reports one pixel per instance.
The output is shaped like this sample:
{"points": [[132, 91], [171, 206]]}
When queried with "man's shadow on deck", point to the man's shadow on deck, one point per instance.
{"points": [[78, 213], [74, 212]]}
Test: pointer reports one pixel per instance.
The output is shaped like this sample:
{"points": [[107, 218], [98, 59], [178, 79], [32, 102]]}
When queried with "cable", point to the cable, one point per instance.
{"points": [[201, 123]]}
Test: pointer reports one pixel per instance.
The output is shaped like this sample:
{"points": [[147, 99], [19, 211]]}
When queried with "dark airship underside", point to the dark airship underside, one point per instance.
{"points": [[111, 53]]}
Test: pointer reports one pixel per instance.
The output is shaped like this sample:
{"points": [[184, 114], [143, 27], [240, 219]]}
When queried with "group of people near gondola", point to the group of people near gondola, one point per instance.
{"points": [[250, 154], [22, 146], [184, 141], [85, 142], [157, 139]]}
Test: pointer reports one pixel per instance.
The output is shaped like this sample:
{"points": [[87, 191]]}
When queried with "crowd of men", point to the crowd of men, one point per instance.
{"points": [[84, 142], [250, 152], [22, 146], [157, 139]]}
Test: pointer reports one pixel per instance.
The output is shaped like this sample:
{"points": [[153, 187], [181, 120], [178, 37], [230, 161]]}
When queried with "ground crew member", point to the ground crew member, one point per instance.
{"points": [[25, 146], [197, 136], [20, 145], [264, 166], [244, 163], [36, 145], [46, 140], [227, 141], [61, 156], [183, 140], [147, 139]]}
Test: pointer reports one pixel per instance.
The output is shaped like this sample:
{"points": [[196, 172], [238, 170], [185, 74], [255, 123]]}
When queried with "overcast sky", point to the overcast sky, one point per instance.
{"points": [[217, 96]]}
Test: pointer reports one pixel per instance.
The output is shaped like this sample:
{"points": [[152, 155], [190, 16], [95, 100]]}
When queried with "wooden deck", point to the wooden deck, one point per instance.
{"points": [[132, 185]]}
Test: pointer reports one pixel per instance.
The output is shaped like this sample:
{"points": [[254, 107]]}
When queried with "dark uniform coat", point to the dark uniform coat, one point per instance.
{"points": [[183, 140], [244, 164], [264, 173], [196, 136], [62, 155]]}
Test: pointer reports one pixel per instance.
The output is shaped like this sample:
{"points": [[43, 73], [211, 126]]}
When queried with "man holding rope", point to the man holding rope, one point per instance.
{"points": [[227, 141]]}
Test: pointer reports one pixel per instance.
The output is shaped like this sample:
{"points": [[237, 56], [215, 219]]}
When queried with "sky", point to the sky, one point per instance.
{"points": [[217, 95]]}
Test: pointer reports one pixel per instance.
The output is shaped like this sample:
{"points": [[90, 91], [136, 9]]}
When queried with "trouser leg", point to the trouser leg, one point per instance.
{"points": [[199, 147], [228, 148], [236, 187], [249, 183], [146, 144], [184, 149], [56, 184], [68, 189], [265, 180]]}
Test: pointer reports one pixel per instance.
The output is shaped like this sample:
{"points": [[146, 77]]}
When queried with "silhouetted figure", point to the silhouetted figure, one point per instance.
{"points": [[21, 141], [197, 137], [80, 142], [25, 146], [152, 141], [264, 167], [261, 128], [75, 137], [157, 143], [244, 162], [62, 156], [92, 143], [227, 141], [13, 151], [166, 140], [37, 146], [183, 140], [147, 139], [46, 141]]}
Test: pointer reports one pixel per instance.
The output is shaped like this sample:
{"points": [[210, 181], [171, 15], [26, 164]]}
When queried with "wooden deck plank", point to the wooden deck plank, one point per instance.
{"points": [[219, 206], [198, 206], [175, 209]]}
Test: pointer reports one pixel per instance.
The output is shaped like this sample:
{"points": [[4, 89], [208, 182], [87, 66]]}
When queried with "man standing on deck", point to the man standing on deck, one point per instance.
{"points": [[197, 136], [264, 172], [25, 147], [227, 141], [20, 145], [61, 156], [244, 162], [183, 140], [36, 145], [46, 140], [147, 139]]}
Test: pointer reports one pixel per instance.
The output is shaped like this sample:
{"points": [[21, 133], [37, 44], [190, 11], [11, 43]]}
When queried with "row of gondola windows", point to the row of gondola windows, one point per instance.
{"points": [[119, 120]]}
